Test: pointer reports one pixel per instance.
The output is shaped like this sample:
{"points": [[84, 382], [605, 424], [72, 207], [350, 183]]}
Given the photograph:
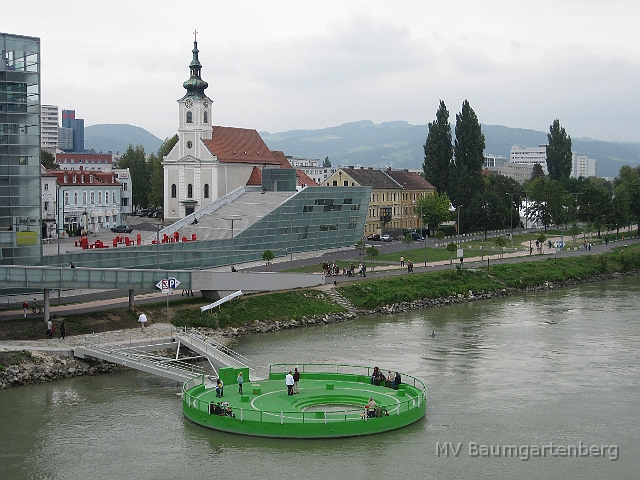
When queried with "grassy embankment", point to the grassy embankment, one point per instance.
{"points": [[385, 291]]}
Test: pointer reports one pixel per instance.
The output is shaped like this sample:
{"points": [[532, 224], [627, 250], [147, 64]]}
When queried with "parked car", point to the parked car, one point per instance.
{"points": [[122, 229], [387, 238], [374, 237], [416, 236]]}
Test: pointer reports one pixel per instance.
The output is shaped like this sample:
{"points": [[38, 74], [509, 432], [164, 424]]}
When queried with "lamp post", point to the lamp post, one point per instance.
{"points": [[511, 215], [234, 219], [425, 238]]}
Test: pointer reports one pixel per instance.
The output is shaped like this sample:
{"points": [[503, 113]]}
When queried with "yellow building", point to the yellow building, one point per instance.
{"points": [[394, 195]]}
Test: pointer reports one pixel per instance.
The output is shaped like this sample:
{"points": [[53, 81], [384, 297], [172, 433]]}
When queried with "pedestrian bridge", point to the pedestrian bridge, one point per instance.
{"points": [[142, 356]]}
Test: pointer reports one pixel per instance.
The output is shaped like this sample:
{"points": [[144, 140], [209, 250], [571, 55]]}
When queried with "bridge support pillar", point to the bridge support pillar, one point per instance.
{"points": [[46, 304], [211, 294], [132, 305]]}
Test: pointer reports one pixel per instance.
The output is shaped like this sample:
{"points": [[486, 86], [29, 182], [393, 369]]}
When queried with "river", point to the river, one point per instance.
{"points": [[513, 385]]}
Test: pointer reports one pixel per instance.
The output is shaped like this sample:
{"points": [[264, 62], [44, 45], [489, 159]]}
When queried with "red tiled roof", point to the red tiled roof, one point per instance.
{"points": [[256, 177], [99, 178], [409, 180], [304, 179], [239, 145], [281, 157]]}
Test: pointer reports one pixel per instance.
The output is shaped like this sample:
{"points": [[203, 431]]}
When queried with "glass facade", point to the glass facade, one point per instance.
{"points": [[20, 197], [315, 218]]}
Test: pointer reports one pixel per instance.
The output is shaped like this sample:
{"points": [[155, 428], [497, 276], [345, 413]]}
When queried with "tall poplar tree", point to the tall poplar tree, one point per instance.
{"points": [[468, 161], [134, 159], [559, 156], [438, 151]]}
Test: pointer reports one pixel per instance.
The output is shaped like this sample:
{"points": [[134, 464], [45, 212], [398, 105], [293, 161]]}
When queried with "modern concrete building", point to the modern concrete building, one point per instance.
{"points": [[20, 218], [312, 168], [583, 166], [530, 156], [494, 161], [65, 139], [49, 128]]}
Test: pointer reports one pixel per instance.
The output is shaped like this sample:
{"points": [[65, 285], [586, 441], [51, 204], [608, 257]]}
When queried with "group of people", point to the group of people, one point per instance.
{"points": [[292, 380], [391, 380], [330, 268], [221, 408], [51, 330]]}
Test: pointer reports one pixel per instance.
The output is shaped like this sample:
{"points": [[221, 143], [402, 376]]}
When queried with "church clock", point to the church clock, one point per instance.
{"points": [[188, 103]]}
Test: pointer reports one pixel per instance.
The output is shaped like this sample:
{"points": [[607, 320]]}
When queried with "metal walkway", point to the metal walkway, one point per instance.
{"points": [[141, 357]]}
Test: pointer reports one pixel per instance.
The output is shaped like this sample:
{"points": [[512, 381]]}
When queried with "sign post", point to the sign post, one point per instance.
{"points": [[167, 285]]}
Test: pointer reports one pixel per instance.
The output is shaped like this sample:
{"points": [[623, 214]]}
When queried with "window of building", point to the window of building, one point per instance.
{"points": [[100, 197], [84, 198], [113, 198], [206, 120], [335, 183], [46, 186], [46, 206], [66, 198], [345, 183], [174, 190], [206, 189], [75, 198], [189, 191], [93, 197], [189, 117]]}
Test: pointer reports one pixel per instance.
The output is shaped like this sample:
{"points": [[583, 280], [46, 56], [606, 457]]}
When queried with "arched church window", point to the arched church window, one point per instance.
{"points": [[206, 190], [189, 117], [189, 191], [206, 117], [174, 190]]}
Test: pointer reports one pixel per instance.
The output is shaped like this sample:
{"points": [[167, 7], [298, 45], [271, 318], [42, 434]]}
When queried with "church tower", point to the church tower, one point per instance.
{"points": [[194, 124]]}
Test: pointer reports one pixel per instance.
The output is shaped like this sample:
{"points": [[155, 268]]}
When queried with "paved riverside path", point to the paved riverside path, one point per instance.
{"points": [[87, 303]]}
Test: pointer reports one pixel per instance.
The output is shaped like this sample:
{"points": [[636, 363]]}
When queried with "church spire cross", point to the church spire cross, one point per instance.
{"points": [[195, 35]]}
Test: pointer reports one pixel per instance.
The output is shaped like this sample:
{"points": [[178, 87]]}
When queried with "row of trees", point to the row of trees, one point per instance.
{"points": [[147, 178], [489, 202]]}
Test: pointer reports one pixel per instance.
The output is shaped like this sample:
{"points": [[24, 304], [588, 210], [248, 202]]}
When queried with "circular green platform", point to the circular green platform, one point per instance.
{"points": [[331, 403]]}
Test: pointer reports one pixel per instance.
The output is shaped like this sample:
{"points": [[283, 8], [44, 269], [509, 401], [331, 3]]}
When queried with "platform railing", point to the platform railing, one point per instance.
{"points": [[317, 416]]}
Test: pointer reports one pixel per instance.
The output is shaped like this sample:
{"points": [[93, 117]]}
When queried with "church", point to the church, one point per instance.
{"points": [[210, 161]]}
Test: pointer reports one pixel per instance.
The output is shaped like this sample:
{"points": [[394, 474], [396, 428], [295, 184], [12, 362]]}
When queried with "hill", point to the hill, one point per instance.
{"points": [[400, 145], [117, 137]]}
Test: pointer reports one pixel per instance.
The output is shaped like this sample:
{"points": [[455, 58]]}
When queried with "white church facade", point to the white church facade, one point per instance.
{"points": [[209, 161]]}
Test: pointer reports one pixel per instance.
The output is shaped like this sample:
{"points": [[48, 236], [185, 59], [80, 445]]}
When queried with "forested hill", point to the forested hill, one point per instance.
{"points": [[401, 145], [364, 143]]}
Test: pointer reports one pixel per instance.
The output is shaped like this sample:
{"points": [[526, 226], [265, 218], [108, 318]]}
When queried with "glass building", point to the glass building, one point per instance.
{"points": [[20, 197]]}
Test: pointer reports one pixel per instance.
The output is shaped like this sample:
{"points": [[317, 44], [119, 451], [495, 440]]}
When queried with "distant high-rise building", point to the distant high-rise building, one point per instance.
{"points": [[49, 128], [582, 166], [65, 139], [69, 120], [20, 214], [530, 156]]}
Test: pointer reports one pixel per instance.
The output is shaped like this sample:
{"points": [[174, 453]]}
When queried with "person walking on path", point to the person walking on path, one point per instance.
{"points": [[402, 261], [288, 380], [63, 331], [49, 329], [296, 379], [240, 382], [25, 307], [142, 319]]}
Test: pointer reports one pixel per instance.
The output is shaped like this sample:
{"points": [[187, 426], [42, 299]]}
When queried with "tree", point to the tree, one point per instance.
{"points": [[48, 160], [595, 204], [451, 248], [538, 171], [548, 202], [468, 161], [268, 256], [326, 163], [500, 243], [372, 253], [434, 209], [156, 186], [438, 151], [135, 161], [559, 155], [627, 183]]}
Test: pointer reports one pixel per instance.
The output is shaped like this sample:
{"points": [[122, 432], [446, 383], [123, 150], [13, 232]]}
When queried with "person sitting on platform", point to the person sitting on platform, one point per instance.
{"points": [[380, 381], [396, 381], [374, 375], [390, 378], [371, 407]]}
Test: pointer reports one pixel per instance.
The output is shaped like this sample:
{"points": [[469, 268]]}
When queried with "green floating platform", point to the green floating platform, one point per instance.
{"points": [[331, 403]]}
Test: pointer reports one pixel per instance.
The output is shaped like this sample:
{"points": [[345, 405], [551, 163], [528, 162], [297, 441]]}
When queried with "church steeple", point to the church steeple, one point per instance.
{"points": [[195, 86]]}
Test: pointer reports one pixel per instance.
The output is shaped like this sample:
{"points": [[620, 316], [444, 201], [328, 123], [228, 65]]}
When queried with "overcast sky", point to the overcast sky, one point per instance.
{"points": [[282, 65]]}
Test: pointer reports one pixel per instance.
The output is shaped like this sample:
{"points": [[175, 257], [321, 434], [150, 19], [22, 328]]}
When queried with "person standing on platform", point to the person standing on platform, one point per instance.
{"points": [[288, 380], [296, 379], [142, 319], [240, 382]]}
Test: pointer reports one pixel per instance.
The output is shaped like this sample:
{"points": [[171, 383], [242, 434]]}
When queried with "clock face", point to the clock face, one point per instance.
{"points": [[206, 104], [188, 103], [189, 144]]}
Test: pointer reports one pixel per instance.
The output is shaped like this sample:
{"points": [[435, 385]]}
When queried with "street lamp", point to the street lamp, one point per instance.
{"points": [[511, 215], [234, 219]]}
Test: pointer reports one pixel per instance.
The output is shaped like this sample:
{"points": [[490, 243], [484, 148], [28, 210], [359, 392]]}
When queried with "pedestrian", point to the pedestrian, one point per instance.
{"points": [[63, 331], [72, 265], [25, 307], [288, 380], [402, 261], [240, 382], [142, 319], [296, 379], [49, 329]]}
